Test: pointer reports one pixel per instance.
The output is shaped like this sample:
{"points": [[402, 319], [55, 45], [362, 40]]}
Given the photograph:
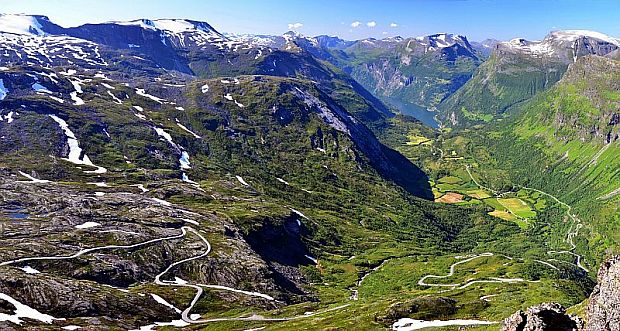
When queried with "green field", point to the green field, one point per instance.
{"points": [[517, 207]]}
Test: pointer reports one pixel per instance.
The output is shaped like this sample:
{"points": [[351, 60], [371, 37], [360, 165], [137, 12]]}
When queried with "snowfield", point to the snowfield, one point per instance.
{"points": [[75, 152]]}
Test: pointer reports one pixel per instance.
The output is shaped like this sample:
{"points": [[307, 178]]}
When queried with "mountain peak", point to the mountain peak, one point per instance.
{"points": [[442, 40], [572, 35], [566, 45], [175, 26], [22, 24]]}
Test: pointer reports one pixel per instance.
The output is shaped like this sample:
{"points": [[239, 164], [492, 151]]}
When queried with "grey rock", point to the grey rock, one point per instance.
{"points": [[544, 317], [603, 313]]}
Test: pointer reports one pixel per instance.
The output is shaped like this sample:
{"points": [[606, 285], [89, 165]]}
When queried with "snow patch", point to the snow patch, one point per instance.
{"points": [[162, 202], [23, 311], [188, 130], [141, 92], [117, 100], [40, 88], [314, 260], [406, 324], [9, 117], [75, 152], [184, 158], [20, 24], [299, 213], [87, 225], [163, 301], [242, 181], [30, 270], [32, 179], [3, 90]]}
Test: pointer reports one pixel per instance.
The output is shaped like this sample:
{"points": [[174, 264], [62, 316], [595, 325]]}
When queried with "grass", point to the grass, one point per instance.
{"points": [[479, 194], [503, 215], [415, 140], [450, 180], [493, 203], [517, 207]]}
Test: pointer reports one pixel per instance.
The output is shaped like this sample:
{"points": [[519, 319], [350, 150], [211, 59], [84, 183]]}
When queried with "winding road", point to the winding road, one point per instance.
{"points": [[185, 314], [422, 281], [571, 234]]}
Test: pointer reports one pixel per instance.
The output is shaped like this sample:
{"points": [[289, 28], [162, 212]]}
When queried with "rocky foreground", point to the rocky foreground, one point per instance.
{"points": [[603, 312]]}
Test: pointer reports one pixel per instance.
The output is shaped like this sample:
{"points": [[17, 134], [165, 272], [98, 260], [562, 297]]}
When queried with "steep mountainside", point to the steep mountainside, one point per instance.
{"points": [[519, 69]]}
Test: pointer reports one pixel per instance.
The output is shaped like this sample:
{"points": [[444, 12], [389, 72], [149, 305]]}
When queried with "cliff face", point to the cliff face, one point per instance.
{"points": [[603, 312]]}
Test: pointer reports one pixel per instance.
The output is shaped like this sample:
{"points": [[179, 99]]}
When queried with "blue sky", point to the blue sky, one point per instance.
{"points": [[477, 19]]}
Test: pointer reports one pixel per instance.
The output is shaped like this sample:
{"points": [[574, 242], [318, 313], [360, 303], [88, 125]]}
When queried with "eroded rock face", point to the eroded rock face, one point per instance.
{"points": [[544, 317], [603, 312]]}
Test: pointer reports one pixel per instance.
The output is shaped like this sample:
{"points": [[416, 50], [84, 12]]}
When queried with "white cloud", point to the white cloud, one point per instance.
{"points": [[371, 24], [384, 32], [356, 24], [294, 26], [393, 25]]}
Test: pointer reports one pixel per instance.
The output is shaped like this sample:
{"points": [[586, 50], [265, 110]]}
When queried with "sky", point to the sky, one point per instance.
{"points": [[348, 19]]}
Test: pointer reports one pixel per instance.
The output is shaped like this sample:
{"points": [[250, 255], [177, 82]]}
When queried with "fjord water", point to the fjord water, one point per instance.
{"points": [[407, 108]]}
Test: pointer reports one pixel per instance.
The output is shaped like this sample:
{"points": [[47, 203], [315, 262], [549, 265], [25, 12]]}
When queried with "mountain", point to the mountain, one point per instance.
{"points": [[519, 69], [141, 189], [413, 74], [37, 25]]}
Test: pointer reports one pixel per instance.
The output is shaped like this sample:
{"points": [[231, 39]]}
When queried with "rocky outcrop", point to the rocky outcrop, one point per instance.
{"points": [[546, 316], [422, 308], [603, 313]]}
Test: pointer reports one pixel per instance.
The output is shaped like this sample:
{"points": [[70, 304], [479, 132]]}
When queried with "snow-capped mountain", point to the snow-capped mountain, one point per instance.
{"points": [[442, 40], [20, 24], [565, 45], [36, 40], [165, 43], [180, 32]]}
